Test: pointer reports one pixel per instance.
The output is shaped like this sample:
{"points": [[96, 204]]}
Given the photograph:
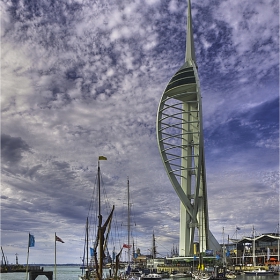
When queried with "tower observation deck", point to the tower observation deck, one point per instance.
{"points": [[181, 145]]}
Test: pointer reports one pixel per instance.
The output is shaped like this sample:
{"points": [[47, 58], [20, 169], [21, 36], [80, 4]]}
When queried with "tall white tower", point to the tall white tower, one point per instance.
{"points": [[181, 145]]}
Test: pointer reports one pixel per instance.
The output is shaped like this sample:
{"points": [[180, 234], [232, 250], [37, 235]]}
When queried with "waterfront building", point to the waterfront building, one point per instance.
{"points": [[238, 255], [152, 264], [259, 250]]}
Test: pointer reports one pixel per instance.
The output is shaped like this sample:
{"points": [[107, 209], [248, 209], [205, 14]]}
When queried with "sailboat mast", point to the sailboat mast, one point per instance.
{"points": [[99, 196], [87, 240], [154, 251], [224, 257], [100, 234], [128, 221], [236, 247], [154, 246], [278, 246], [254, 249]]}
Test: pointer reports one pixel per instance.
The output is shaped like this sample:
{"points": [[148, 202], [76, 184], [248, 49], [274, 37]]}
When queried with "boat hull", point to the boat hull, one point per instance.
{"points": [[152, 276], [180, 275], [258, 273]]}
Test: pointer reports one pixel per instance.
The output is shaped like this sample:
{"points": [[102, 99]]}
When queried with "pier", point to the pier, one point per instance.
{"points": [[34, 274]]}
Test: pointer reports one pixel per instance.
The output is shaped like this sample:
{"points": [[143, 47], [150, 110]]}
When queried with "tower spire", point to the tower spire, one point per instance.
{"points": [[190, 52], [181, 145]]}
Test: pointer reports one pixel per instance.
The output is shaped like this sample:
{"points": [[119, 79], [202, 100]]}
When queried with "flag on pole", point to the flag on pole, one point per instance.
{"points": [[58, 239], [227, 253], [31, 242], [91, 252], [126, 246], [128, 270], [102, 158], [238, 228]]}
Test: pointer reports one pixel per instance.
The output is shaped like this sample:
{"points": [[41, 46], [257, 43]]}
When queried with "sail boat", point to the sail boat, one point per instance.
{"points": [[152, 275], [131, 273], [128, 246], [100, 244]]}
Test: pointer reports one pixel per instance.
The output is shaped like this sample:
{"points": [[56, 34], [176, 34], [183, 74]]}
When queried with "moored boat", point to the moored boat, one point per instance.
{"points": [[219, 273], [230, 275], [135, 274], [258, 272], [201, 276], [151, 276], [179, 275], [94, 271]]}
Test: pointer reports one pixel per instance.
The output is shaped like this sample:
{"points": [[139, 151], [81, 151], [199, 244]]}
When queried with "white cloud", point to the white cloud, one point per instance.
{"points": [[80, 83]]}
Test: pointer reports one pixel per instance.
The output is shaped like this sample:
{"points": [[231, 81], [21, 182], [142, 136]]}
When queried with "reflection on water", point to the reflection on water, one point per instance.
{"points": [[72, 273], [251, 277], [244, 277]]}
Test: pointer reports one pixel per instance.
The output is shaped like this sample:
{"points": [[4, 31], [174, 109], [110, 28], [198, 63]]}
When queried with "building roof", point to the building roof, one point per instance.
{"points": [[266, 237], [141, 257]]}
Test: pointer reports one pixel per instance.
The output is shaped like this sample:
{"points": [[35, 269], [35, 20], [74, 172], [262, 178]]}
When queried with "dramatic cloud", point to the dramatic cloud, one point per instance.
{"points": [[81, 79]]}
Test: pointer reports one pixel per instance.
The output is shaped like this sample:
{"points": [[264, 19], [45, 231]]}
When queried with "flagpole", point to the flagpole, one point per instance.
{"points": [[236, 246], [27, 257], [55, 255], [278, 247]]}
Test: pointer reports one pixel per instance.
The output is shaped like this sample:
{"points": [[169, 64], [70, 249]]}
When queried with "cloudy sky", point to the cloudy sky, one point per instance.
{"points": [[84, 78]]}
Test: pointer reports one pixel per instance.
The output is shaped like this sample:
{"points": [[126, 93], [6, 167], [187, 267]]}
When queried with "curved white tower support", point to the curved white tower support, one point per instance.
{"points": [[181, 145]]}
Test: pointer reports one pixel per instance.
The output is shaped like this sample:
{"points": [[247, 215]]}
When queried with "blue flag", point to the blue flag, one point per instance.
{"points": [[114, 255], [91, 252], [128, 270], [31, 242], [228, 253]]}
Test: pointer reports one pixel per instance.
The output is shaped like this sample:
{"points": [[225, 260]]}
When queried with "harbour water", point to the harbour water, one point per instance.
{"points": [[62, 273], [72, 273]]}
